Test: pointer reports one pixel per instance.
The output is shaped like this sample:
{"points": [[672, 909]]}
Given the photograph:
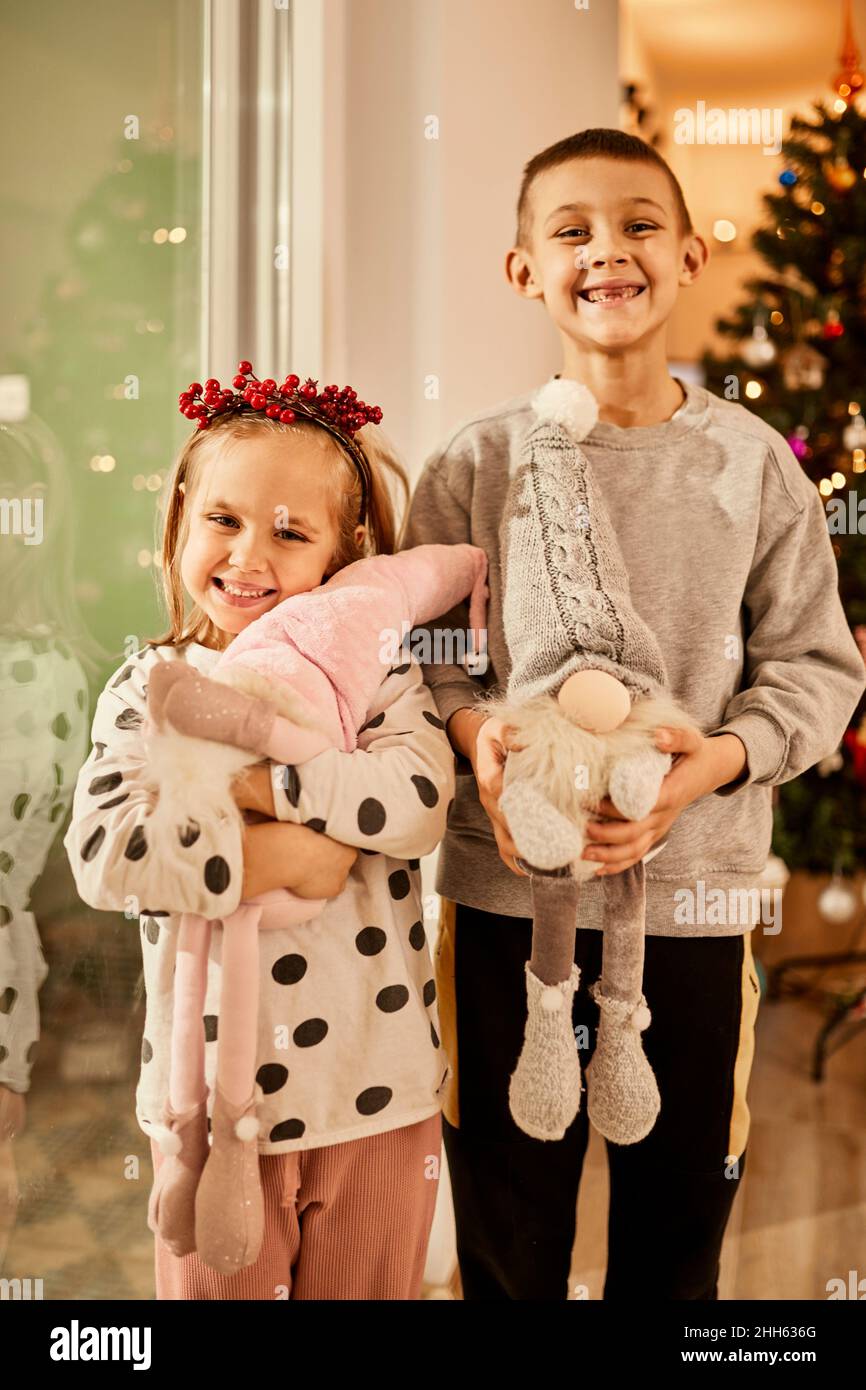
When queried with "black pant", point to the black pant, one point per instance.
{"points": [[670, 1195]]}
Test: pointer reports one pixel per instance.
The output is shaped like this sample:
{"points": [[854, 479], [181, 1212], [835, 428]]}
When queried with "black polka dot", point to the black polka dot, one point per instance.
{"points": [[154, 912], [19, 805], [448, 812], [289, 969], [414, 864], [7, 1000], [80, 697], [217, 875], [373, 723], [426, 790], [60, 809], [316, 824], [31, 1052], [146, 1051], [210, 1027], [128, 719], [309, 1033], [369, 852], [137, 847], [58, 771], [100, 749], [7, 863], [435, 1039], [151, 931], [433, 719], [115, 801], [374, 1099], [392, 998], [60, 726], [398, 884], [370, 941], [271, 1077], [5, 915], [287, 1129], [23, 672], [371, 816], [429, 992], [123, 676], [400, 670], [92, 843], [4, 1053], [100, 786], [189, 833], [417, 936], [292, 785]]}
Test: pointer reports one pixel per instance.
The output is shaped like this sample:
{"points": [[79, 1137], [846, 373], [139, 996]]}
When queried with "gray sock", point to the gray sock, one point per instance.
{"points": [[554, 923]]}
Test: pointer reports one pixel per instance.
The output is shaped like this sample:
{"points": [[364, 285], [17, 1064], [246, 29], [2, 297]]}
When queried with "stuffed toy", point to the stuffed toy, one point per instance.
{"points": [[585, 694], [298, 680]]}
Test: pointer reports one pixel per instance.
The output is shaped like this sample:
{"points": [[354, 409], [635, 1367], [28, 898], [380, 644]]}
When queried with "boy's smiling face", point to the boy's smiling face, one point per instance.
{"points": [[619, 219]]}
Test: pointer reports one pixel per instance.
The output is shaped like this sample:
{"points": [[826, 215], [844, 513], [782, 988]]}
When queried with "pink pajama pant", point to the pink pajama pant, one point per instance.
{"points": [[349, 1221]]}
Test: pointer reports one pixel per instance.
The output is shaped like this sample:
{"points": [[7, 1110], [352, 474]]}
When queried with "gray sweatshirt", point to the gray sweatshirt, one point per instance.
{"points": [[731, 565]]}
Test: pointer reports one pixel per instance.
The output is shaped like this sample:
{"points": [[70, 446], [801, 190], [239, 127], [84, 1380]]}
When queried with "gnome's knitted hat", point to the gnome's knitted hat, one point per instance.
{"points": [[566, 600]]}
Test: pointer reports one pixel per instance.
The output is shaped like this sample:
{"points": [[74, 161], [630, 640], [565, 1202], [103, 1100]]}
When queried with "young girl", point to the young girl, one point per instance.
{"points": [[349, 1060]]}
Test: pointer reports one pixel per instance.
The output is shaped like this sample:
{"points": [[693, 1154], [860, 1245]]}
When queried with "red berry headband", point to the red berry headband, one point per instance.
{"points": [[339, 412]]}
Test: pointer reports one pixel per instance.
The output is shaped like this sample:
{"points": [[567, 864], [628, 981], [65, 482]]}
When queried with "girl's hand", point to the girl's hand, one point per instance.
{"points": [[278, 854], [702, 765], [253, 790], [492, 744]]}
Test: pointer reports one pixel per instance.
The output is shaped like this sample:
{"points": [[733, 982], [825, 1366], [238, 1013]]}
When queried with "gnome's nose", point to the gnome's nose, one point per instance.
{"points": [[595, 701]]}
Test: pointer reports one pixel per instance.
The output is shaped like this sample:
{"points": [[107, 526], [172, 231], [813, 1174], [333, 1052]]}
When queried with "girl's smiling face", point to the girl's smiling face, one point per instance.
{"points": [[596, 222], [261, 525]]}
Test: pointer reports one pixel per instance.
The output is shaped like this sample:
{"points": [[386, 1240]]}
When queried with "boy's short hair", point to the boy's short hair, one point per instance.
{"points": [[600, 142]]}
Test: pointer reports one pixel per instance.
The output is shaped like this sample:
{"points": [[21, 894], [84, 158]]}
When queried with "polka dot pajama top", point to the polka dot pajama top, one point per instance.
{"points": [[348, 1024]]}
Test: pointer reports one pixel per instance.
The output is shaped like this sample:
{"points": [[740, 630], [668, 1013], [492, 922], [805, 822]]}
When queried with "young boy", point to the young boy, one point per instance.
{"points": [[731, 566]]}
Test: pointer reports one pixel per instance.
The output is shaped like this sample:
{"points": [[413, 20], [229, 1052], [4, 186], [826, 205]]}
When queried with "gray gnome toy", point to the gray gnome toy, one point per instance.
{"points": [[586, 691]]}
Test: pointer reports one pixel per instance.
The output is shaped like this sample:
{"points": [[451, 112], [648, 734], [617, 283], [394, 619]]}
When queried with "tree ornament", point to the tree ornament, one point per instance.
{"points": [[833, 327], [758, 351], [803, 368], [836, 902], [840, 175], [848, 82]]}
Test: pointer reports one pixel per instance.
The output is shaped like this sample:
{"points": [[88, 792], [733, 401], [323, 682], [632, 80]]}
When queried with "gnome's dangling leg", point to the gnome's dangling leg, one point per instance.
{"points": [[623, 1099], [544, 1093]]}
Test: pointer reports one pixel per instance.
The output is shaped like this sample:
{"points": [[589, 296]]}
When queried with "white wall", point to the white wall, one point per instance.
{"points": [[417, 229]]}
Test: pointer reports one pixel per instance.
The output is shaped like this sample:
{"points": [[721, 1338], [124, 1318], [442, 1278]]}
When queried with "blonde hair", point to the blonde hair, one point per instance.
{"points": [[382, 536]]}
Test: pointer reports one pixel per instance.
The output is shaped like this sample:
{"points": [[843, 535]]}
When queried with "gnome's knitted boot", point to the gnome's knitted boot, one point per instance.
{"points": [[229, 1205], [622, 1097], [171, 1208], [544, 1093]]}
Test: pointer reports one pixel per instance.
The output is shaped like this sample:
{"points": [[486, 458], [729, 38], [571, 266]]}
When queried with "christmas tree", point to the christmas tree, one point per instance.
{"points": [[800, 363]]}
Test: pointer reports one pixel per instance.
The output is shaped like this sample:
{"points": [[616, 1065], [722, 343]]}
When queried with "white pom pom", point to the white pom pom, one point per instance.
{"points": [[569, 404], [247, 1128], [551, 999], [641, 1018], [170, 1144]]}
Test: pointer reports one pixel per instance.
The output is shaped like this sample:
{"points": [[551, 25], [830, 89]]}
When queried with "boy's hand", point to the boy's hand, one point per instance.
{"points": [[487, 754], [253, 790], [703, 765], [282, 855]]}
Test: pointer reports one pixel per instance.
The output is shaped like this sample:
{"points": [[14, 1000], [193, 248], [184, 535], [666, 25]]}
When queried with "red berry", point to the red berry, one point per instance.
{"points": [[287, 417], [258, 401], [249, 393], [245, 367], [239, 381], [269, 385], [309, 391], [194, 388], [273, 412], [202, 422], [293, 382], [211, 384]]}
